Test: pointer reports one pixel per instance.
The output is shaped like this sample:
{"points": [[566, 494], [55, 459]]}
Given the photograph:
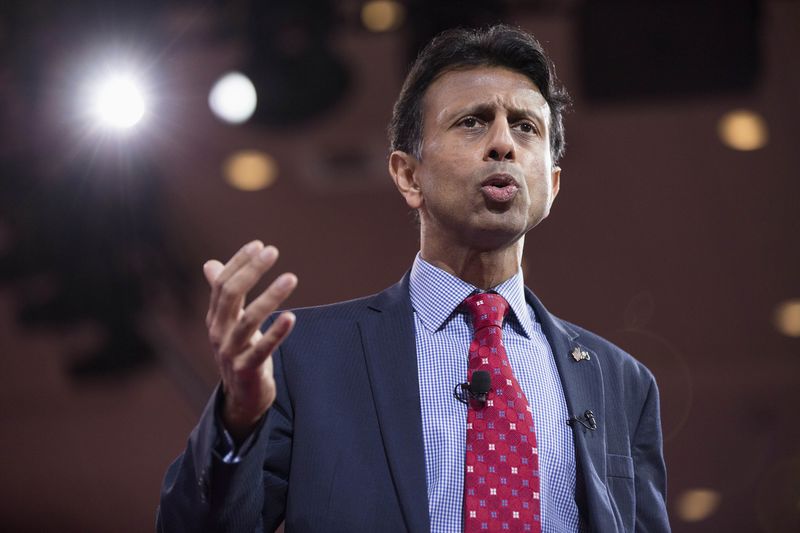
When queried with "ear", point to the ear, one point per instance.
{"points": [[402, 167], [555, 185]]}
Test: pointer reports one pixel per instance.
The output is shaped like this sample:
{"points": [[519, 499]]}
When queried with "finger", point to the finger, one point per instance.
{"points": [[212, 269], [260, 308], [239, 259], [233, 291], [270, 341]]}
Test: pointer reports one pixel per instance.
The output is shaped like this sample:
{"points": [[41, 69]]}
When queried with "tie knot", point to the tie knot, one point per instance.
{"points": [[486, 309]]}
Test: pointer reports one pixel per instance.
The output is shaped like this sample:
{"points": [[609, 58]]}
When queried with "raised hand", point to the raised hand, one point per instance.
{"points": [[241, 351]]}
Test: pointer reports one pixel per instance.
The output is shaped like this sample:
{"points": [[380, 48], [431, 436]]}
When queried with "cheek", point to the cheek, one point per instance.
{"points": [[540, 184], [437, 178]]}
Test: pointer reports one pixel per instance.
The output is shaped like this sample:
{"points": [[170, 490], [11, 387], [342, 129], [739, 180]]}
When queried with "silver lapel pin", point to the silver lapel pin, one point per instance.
{"points": [[579, 354]]}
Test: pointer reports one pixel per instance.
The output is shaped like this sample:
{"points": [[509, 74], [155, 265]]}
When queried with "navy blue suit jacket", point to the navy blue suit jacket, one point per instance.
{"points": [[342, 448]]}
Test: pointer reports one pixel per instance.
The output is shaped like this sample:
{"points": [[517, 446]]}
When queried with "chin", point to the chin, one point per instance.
{"points": [[489, 237]]}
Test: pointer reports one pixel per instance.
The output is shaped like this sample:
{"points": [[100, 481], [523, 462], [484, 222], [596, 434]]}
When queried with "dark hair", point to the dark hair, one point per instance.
{"points": [[501, 46]]}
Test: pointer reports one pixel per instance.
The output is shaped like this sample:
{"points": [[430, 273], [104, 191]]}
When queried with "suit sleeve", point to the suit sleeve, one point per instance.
{"points": [[649, 467], [201, 492]]}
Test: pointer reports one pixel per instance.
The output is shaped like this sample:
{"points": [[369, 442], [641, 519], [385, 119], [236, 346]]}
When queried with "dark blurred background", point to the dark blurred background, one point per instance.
{"points": [[675, 234]]}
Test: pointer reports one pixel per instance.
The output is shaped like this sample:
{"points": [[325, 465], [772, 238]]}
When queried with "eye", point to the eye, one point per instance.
{"points": [[469, 122], [526, 127]]}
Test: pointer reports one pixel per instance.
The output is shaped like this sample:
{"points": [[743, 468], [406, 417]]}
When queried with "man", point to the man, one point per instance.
{"points": [[351, 423]]}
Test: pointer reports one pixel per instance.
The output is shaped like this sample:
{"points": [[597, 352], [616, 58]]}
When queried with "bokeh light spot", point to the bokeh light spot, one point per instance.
{"points": [[787, 318], [743, 129], [250, 170], [382, 15], [233, 98], [697, 504]]}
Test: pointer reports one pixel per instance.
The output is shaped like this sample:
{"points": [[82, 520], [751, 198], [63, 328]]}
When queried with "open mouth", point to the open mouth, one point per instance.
{"points": [[499, 180], [500, 188]]}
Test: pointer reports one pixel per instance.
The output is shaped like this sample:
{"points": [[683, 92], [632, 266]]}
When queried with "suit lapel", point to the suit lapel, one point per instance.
{"points": [[582, 380], [388, 337], [387, 334]]}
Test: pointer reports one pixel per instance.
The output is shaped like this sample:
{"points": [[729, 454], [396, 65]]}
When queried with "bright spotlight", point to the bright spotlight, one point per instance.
{"points": [[118, 102], [233, 98]]}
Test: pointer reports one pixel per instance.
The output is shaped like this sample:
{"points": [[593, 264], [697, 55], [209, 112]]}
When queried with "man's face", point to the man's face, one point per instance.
{"points": [[485, 176]]}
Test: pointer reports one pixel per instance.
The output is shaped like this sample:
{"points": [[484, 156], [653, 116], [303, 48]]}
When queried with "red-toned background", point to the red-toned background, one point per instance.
{"points": [[663, 240]]}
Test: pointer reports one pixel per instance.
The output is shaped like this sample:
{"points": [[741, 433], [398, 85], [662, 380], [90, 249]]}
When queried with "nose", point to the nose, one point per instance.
{"points": [[500, 144]]}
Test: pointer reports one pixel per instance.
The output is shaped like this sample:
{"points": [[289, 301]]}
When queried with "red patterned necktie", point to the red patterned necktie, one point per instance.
{"points": [[501, 481]]}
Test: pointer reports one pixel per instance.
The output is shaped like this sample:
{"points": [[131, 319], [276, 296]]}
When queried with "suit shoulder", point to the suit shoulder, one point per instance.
{"points": [[353, 310], [388, 298], [317, 315], [348, 309]]}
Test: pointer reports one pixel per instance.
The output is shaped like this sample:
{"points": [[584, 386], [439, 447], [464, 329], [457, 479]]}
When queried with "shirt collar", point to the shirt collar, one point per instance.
{"points": [[436, 295]]}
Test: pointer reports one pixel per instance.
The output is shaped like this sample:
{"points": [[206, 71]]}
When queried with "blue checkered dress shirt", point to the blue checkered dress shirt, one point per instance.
{"points": [[443, 334]]}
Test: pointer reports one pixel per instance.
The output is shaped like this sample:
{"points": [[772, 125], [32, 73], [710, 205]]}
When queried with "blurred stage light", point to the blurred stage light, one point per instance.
{"points": [[250, 170], [233, 98], [787, 318], [382, 15], [697, 504], [743, 129], [118, 102]]}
